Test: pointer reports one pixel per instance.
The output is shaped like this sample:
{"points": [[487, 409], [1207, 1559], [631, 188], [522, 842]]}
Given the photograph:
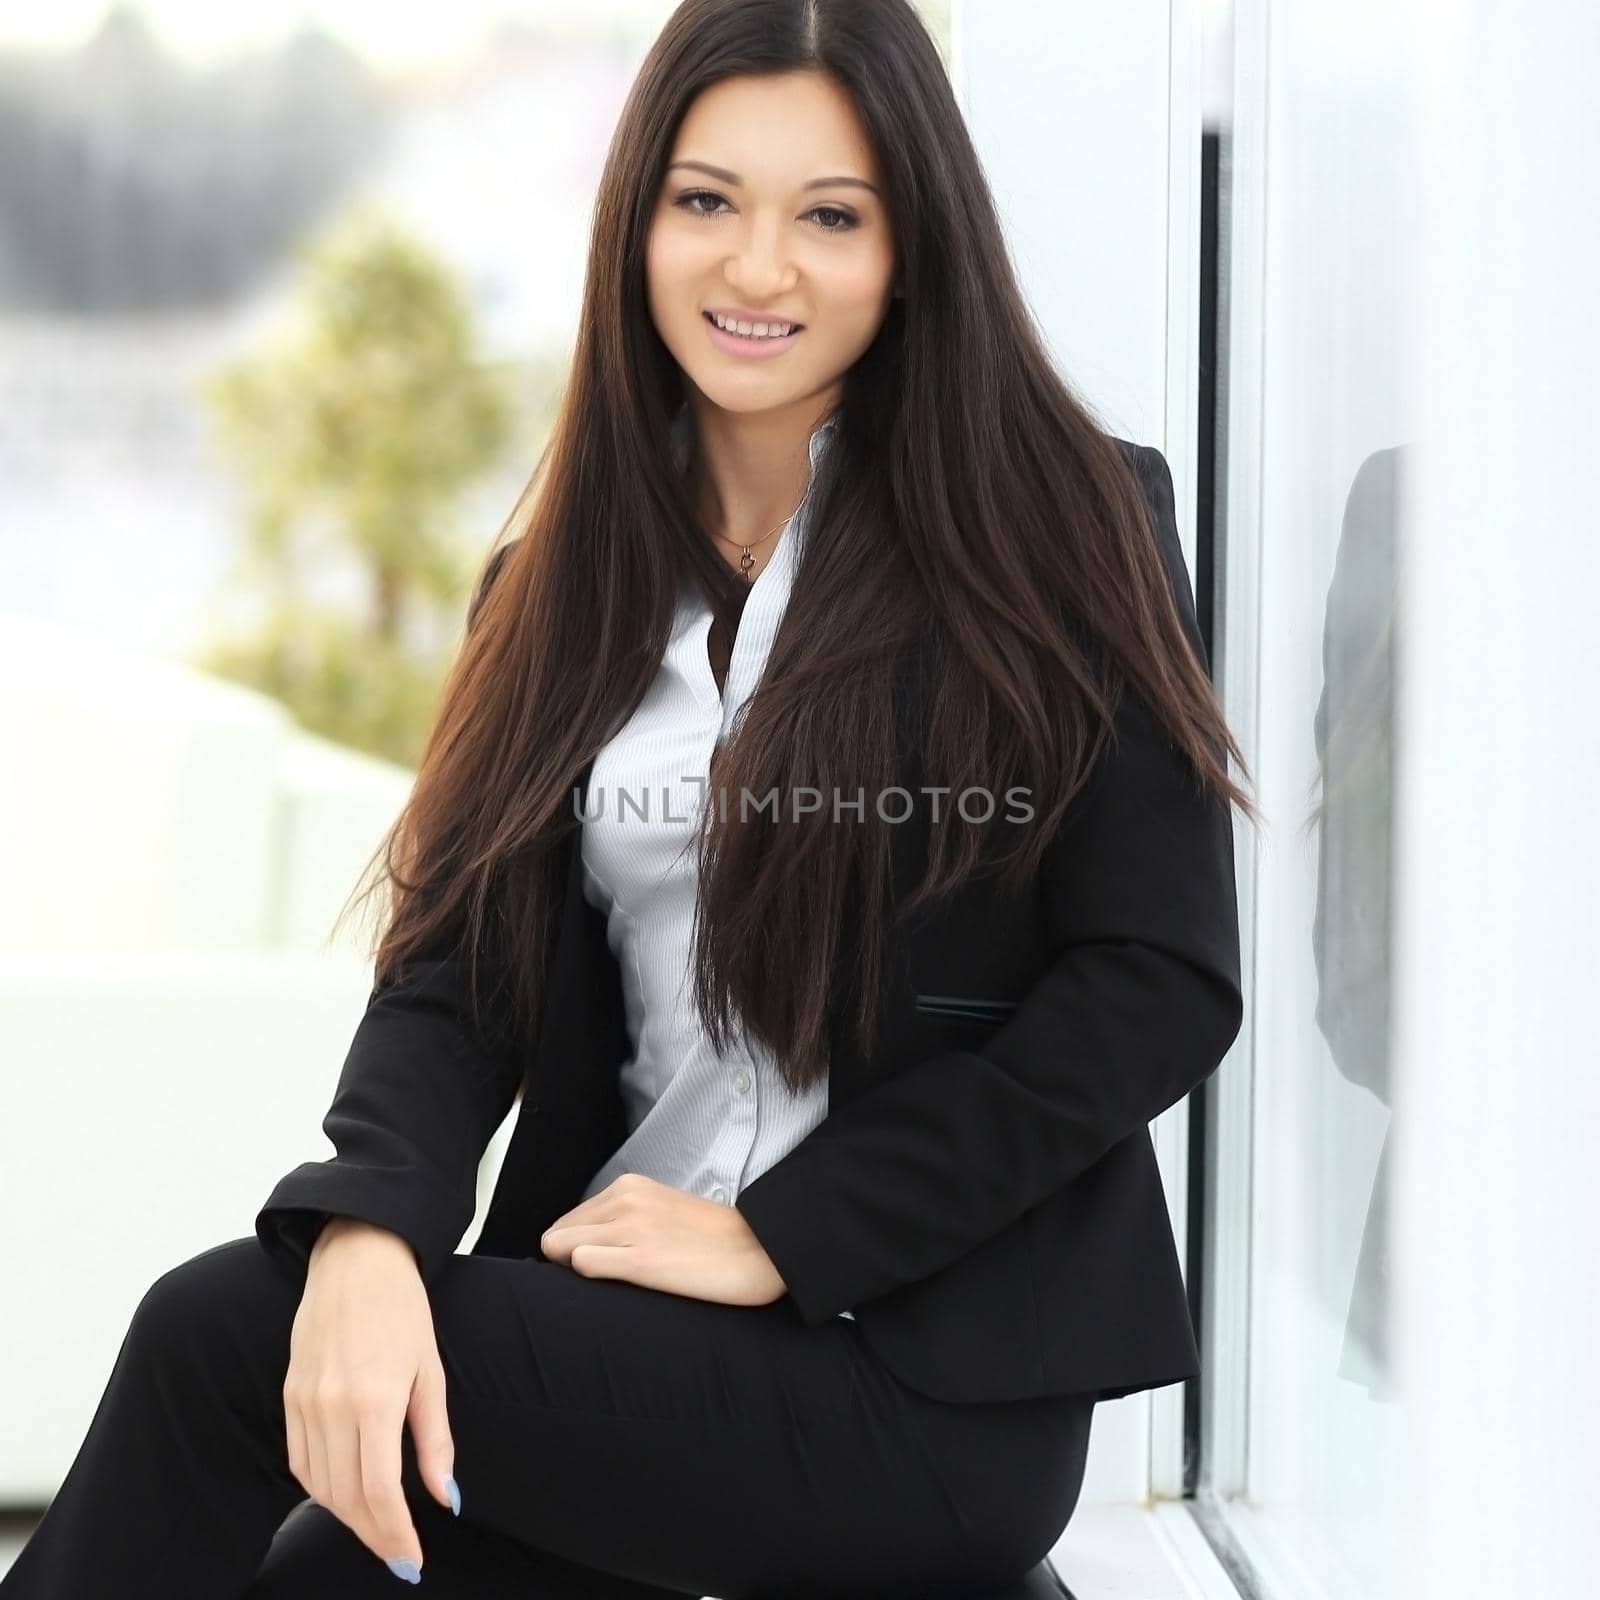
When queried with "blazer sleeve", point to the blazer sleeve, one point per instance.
{"points": [[1139, 1006], [418, 1099]]}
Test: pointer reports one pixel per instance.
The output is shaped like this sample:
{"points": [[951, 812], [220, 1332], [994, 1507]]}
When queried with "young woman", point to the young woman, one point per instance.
{"points": [[827, 834]]}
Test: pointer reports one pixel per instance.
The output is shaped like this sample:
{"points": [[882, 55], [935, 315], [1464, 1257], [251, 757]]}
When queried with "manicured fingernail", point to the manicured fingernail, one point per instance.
{"points": [[405, 1569], [455, 1495]]}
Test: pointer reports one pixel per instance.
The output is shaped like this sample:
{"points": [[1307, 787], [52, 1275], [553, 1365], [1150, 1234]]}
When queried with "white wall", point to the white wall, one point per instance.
{"points": [[1496, 1031], [173, 853]]}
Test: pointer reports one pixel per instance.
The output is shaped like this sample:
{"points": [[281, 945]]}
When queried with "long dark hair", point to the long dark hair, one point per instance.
{"points": [[969, 505]]}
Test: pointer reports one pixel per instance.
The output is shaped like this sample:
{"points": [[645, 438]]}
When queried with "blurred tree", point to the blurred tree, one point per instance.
{"points": [[356, 435]]}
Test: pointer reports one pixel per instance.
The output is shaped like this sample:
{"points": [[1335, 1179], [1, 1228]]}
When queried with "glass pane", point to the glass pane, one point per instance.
{"points": [[1311, 122]]}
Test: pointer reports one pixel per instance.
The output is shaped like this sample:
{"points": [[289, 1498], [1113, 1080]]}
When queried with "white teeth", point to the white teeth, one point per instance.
{"points": [[754, 330]]}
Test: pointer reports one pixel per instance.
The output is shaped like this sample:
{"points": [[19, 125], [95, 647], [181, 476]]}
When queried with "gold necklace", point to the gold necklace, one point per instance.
{"points": [[746, 559]]}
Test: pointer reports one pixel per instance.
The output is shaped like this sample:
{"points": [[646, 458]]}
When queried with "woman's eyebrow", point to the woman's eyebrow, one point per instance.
{"points": [[732, 178]]}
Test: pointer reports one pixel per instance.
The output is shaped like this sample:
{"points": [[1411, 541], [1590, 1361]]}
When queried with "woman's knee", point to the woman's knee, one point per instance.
{"points": [[227, 1293], [314, 1556]]}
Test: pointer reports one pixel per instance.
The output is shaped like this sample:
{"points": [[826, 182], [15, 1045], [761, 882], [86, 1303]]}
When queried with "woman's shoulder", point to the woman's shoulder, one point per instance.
{"points": [[1154, 477]]}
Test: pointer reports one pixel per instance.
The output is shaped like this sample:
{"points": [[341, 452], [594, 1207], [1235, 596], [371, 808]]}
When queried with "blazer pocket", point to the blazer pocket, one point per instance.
{"points": [[967, 1007]]}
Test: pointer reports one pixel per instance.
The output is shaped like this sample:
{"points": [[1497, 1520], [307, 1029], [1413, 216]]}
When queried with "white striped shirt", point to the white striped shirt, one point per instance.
{"points": [[705, 1123]]}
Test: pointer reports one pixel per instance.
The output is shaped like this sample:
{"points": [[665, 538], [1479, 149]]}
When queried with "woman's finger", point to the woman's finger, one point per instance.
{"points": [[628, 1262], [392, 1535], [349, 1504], [557, 1244], [317, 1459], [294, 1433]]}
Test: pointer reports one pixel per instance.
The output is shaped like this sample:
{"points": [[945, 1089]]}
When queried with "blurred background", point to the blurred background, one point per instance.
{"points": [[287, 294], [286, 298]]}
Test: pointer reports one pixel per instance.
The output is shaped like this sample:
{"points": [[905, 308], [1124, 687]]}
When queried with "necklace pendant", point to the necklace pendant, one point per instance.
{"points": [[746, 562]]}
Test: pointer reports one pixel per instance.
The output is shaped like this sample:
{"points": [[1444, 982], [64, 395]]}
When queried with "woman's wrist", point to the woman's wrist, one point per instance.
{"points": [[338, 1232]]}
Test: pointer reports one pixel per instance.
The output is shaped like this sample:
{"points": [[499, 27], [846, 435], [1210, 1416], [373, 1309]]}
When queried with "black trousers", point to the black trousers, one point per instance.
{"points": [[611, 1441]]}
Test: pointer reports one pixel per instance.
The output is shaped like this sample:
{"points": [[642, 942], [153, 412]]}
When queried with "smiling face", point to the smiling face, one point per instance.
{"points": [[772, 210]]}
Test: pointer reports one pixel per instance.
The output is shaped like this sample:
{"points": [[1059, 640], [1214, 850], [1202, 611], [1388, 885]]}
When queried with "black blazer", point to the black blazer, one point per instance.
{"points": [[983, 1192]]}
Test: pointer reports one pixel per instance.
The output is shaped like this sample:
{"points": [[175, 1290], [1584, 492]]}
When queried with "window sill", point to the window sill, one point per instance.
{"points": [[1131, 1552]]}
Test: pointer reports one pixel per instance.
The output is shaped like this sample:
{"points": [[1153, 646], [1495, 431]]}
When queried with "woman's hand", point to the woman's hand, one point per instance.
{"points": [[363, 1361], [651, 1234]]}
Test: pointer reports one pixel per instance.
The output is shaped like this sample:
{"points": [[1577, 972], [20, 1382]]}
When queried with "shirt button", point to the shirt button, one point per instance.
{"points": [[741, 1080], [719, 1193]]}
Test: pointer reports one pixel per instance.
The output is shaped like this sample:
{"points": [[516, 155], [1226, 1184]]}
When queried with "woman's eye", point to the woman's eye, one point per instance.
{"points": [[844, 225], [687, 201], [838, 220]]}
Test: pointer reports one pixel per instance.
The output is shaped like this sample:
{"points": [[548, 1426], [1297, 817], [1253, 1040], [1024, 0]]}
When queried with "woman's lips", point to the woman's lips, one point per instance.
{"points": [[752, 349]]}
